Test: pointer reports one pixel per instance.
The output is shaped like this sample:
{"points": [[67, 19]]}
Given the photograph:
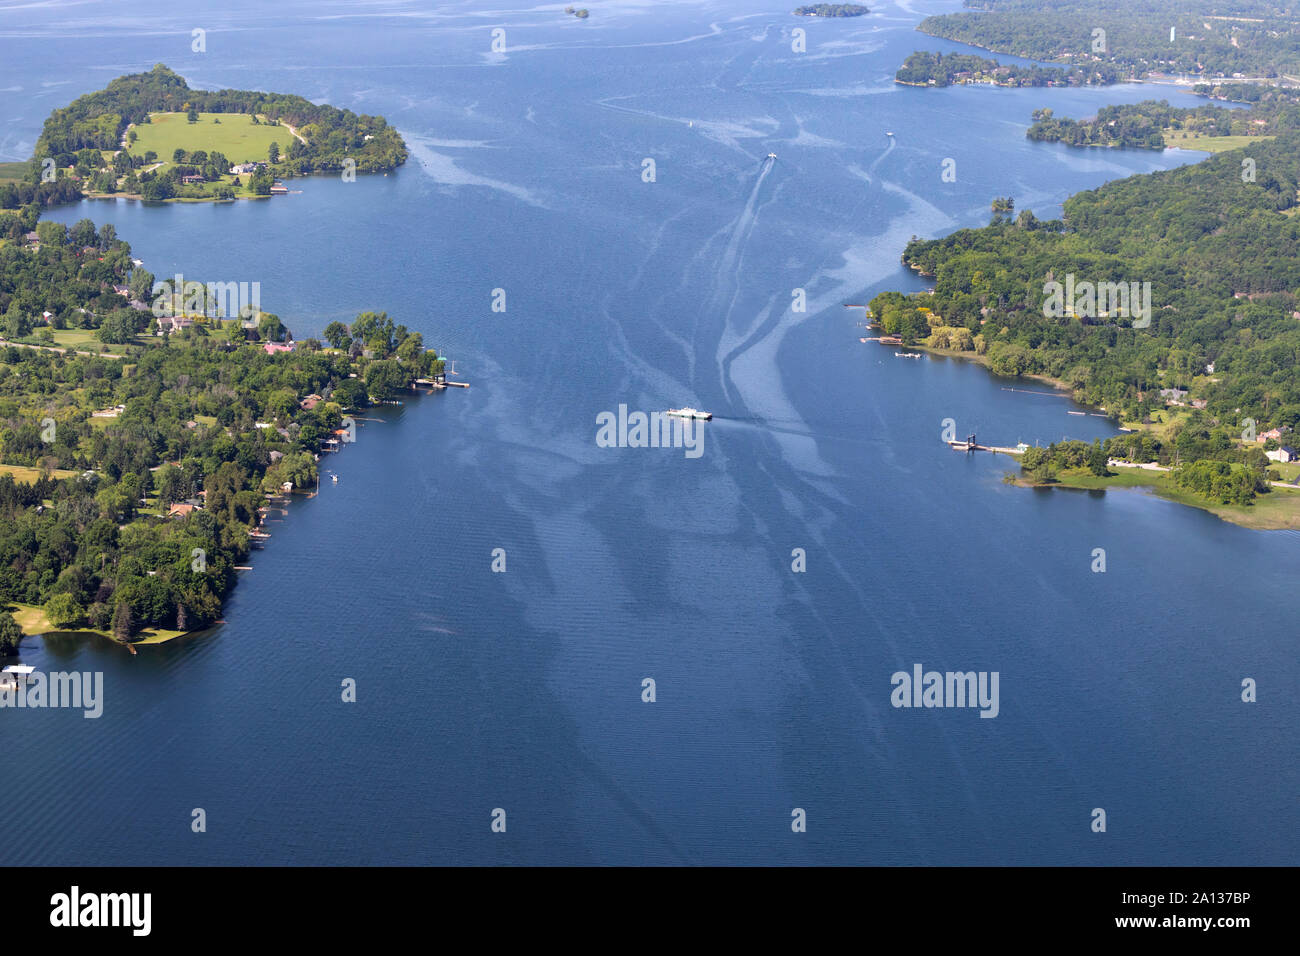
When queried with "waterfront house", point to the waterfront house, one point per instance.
{"points": [[173, 323], [272, 347]]}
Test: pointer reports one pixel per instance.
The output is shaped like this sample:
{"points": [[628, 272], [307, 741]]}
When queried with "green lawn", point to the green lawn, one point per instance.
{"points": [[1209, 144], [82, 340], [32, 620], [1279, 508], [12, 172], [27, 474], [235, 135]]}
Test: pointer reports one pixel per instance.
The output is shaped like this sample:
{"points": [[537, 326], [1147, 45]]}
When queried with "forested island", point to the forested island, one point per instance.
{"points": [[831, 10], [1210, 385], [1261, 37], [139, 439], [149, 136], [948, 69], [1154, 124]]}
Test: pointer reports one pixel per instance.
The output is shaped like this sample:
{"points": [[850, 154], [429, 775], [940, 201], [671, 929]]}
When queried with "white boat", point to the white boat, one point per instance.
{"points": [[771, 155], [889, 132], [690, 413], [334, 478], [907, 354]]}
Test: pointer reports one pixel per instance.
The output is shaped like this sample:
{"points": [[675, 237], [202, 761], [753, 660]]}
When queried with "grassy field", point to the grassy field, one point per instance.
{"points": [[1278, 509], [12, 172], [1209, 144], [235, 135], [81, 340], [23, 473], [32, 620], [84, 340]]}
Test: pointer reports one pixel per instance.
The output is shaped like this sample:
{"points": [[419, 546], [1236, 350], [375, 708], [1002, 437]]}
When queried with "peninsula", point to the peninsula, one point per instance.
{"points": [[146, 424], [963, 69], [1168, 300], [149, 136], [1141, 38]]}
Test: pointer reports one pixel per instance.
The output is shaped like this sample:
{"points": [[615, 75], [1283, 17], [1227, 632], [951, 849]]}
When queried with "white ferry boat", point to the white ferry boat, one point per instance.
{"points": [[907, 354], [690, 413]]}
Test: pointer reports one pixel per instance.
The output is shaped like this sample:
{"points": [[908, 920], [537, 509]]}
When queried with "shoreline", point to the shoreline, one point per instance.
{"points": [[31, 617], [1157, 484], [1250, 517], [1161, 78]]}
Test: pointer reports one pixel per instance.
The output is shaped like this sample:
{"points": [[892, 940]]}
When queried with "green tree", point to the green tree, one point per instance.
{"points": [[270, 328], [385, 378], [10, 634], [123, 624], [63, 611], [1097, 459], [336, 334]]}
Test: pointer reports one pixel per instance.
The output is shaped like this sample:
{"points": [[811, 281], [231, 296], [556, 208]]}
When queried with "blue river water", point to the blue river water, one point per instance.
{"points": [[523, 690]]}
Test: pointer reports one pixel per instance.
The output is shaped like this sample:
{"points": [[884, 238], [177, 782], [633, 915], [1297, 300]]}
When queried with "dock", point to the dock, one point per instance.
{"points": [[976, 446], [458, 384]]}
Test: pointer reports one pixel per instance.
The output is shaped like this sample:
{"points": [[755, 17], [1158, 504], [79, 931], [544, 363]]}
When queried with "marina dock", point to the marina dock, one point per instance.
{"points": [[995, 449]]}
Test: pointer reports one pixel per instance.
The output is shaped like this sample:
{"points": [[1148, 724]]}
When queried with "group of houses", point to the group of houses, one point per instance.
{"points": [[173, 323], [1283, 453], [1178, 397]]}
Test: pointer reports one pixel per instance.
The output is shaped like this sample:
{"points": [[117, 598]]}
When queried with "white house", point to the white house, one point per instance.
{"points": [[1284, 454]]}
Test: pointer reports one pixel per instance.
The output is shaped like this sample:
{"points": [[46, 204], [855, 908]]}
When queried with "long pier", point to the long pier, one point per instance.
{"points": [[976, 446], [437, 385]]}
